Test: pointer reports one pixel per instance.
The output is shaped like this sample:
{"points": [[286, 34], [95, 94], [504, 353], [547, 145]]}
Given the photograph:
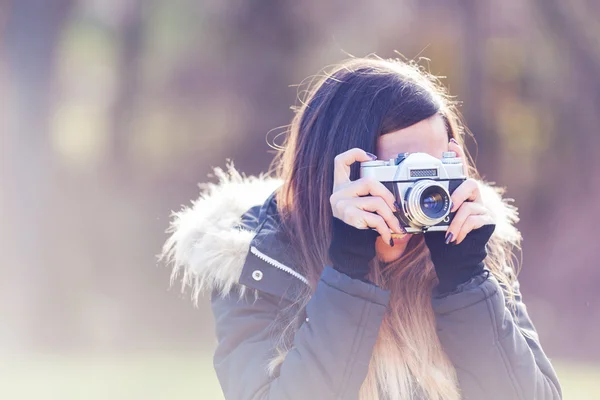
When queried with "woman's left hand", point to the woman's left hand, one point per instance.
{"points": [[470, 230], [472, 213]]}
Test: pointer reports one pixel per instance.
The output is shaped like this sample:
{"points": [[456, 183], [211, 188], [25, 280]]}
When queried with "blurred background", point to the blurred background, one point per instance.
{"points": [[112, 111]]}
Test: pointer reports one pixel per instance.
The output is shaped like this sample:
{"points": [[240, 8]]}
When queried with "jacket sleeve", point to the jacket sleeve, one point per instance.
{"points": [[496, 355], [331, 349]]}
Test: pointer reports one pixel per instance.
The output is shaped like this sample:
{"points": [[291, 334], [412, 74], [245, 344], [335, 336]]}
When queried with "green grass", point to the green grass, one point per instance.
{"points": [[579, 381], [129, 377], [172, 377]]}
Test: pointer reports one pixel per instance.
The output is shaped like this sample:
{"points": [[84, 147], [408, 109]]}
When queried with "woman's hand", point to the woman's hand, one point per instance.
{"points": [[472, 226], [353, 241], [374, 211], [472, 213]]}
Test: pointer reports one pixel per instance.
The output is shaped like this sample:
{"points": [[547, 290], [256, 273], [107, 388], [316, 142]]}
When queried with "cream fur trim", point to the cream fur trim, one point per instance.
{"points": [[203, 245]]}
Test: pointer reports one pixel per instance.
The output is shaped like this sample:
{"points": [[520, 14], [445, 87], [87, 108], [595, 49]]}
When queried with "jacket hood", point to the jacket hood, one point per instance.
{"points": [[209, 243]]}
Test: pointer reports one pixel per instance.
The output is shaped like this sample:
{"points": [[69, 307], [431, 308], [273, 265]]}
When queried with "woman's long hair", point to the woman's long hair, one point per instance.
{"points": [[352, 105]]}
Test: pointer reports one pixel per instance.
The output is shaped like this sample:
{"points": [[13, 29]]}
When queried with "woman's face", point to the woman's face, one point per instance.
{"points": [[428, 136]]}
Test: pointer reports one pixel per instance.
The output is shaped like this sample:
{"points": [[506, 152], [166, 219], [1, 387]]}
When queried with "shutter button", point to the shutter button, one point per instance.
{"points": [[257, 275]]}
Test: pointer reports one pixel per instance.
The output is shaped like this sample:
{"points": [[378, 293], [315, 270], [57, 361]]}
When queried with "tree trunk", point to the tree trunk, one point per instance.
{"points": [[475, 34], [30, 37], [130, 36], [264, 36]]}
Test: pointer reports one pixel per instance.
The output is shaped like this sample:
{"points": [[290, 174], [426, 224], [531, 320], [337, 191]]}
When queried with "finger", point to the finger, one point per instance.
{"points": [[343, 161], [460, 152], [370, 186], [377, 222], [457, 148], [365, 220], [363, 187], [473, 222], [467, 191], [466, 210], [378, 205]]}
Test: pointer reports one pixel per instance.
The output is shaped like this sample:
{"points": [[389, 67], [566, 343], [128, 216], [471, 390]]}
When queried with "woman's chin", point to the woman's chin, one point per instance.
{"points": [[387, 253]]}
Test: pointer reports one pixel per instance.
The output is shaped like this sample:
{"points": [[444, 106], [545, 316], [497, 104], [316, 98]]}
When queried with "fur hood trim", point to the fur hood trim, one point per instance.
{"points": [[208, 252]]}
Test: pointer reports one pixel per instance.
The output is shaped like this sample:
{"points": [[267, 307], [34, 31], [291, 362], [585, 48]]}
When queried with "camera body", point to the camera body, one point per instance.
{"points": [[422, 186]]}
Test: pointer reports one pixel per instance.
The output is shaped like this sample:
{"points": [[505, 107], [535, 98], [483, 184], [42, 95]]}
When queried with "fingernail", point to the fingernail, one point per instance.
{"points": [[392, 242], [449, 237], [398, 207], [452, 140], [373, 156]]}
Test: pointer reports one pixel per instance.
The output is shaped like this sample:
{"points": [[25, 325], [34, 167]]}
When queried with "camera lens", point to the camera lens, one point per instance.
{"points": [[428, 203], [433, 202]]}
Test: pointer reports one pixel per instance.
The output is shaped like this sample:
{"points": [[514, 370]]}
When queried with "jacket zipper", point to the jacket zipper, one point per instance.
{"points": [[277, 264]]}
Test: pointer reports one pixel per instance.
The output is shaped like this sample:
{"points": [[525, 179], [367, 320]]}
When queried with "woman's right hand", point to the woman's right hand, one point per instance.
{"points": [[374, 211]]}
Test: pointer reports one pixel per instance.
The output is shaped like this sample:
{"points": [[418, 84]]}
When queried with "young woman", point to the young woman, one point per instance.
{"points": [[318, 293]]}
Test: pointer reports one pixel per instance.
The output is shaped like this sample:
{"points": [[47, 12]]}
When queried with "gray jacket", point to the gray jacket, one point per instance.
{"points": [[251, 279]]}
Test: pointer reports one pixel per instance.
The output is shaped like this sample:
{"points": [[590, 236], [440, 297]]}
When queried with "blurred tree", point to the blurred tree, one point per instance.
{"points": [[571, 172], [475, 29], [129, 42], [582, 98], [29, 41], [262, 41]]}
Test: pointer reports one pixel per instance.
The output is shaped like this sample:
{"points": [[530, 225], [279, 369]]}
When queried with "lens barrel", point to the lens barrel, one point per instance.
{"points": [[428, 203]]}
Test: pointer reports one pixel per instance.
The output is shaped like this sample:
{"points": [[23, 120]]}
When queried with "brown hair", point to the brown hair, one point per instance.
{"points": [[351, 105]]}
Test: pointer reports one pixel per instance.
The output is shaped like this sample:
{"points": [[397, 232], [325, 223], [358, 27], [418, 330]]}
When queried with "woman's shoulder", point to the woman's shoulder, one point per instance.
{"points": [[210, 239], [505, 212]]}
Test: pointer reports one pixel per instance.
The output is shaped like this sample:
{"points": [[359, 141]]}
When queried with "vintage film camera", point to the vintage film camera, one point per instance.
{"points": [[422, 185]]}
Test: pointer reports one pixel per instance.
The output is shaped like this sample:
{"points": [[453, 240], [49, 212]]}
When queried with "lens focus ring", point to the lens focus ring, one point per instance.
{"points": [[428, 203]]}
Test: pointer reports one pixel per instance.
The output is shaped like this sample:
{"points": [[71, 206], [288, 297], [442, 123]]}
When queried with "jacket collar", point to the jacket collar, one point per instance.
{"points": [[269, 265], [229, 239]]}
